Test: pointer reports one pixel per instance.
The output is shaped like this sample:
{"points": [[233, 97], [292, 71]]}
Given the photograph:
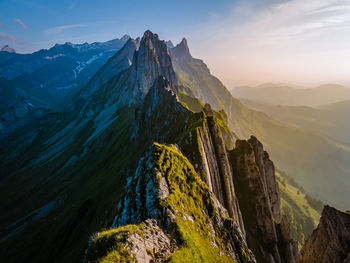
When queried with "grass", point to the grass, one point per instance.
{"points": [[303, 217], [108, 245], [189, 196]]}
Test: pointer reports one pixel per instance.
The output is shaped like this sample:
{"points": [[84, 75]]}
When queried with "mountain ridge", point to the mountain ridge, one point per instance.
{"points": [[90, 168]]}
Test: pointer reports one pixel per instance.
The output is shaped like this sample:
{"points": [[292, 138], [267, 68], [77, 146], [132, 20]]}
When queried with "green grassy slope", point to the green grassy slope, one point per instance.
{"points": [[304, 212]]}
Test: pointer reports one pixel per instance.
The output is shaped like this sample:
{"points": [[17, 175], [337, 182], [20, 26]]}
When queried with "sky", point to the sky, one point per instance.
{"points": [[244, 42]]}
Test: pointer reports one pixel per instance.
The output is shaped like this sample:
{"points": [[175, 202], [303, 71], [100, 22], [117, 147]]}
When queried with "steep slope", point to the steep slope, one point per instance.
{"points": [[330, 241], [310, 158], [288, 96], [303, 211]]}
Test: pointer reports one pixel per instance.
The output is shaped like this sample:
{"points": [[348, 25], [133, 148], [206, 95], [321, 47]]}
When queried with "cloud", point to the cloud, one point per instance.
{"points": [[293, 40], [7, 37], [301, 18], [59, 29], [19, 21]]}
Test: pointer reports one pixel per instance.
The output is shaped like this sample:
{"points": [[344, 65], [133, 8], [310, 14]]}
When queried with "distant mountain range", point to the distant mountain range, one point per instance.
{"points": [[8, 49], [286, 95], [331, 120], [45, 80]]}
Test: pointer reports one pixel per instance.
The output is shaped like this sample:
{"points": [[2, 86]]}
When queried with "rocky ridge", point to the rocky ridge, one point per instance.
{"points": [[330, 241], [166, 190], [268, 233]]}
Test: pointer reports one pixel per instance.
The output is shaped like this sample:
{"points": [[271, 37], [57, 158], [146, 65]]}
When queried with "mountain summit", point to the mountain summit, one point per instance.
{"points": [[181, 50], [8, 49]]}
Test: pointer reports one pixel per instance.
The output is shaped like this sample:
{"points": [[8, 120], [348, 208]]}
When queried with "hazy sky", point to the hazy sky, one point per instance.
{"points": [[304, 42]]}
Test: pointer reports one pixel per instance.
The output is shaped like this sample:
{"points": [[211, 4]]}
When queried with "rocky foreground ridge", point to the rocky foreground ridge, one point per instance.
{"points": [[330, 241]]}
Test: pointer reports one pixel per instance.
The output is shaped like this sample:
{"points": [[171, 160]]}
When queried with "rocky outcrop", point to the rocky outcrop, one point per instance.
{"points": [[330, 241], [216, 167], [8, 49], [268, 234], [150, 61], [267, 173], [181, 51], [167, 195]]}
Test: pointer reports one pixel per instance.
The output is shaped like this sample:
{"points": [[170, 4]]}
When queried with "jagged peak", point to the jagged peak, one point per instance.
{"points": [[149, 35], [181, 51], [151, 60], [7, 48], [183, 42], [125, 37], [170, 44]]}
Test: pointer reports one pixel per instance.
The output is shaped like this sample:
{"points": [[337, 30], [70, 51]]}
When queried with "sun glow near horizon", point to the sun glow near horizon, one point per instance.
{"points": [[304, 42]]}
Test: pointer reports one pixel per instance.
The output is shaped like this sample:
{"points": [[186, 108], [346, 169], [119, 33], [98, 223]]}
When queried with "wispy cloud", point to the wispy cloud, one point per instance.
{"points": [[300, 18], [6, 37], [293, 40], [59, 29], [19, 21]]}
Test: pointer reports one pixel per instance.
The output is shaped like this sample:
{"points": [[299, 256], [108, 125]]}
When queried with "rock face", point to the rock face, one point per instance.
{"points": [[330, 241], [150, 61], [268, 234], [181, 51], [216, 166]]}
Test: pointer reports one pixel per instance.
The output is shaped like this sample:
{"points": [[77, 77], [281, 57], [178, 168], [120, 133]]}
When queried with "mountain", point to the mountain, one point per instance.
{"points": [[97, 165], [285, 95], [141, 168], [330, 241], [329, 120], [45, 80], [8, 49]]}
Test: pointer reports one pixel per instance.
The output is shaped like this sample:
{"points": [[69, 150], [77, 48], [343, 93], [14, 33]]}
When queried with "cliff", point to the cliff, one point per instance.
{"points": [[268, 233], [330, 241]]}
